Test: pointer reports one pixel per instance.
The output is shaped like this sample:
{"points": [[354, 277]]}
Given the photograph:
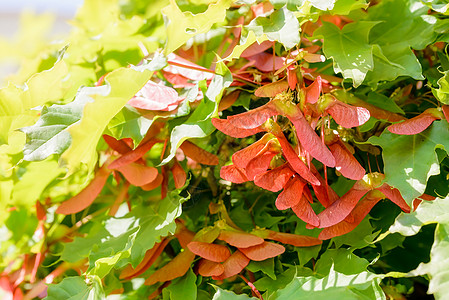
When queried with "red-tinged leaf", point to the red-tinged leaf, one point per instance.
{"points": [[198, 154], [121, 196], [179, 175], [87, 195], [292, 78], [153, 184], [208, 268], [324, 193], [346, 163], [213, 252], [133, 155], [257, 48], [259, 164], [377, 112], [360, 211], [175, 268], [309, 140], [164, 183], [313, 91], [314, 58], [184, 67], [116, 145], [150, 257], [233, 174], [341, 208], [423, 197], [263, 251], [293, 159], [293, 239], [254, 117], [291, 195], [178, 81], [242, 157], [227, 128], [228, 100], [347, 115], [41, 212], [138, 175], [266, 62], [304, 211], [233, 265], [6, 288], [272, 89], [414, 125], [395, 196], [154, 96], [184, 235], [445, 109], [240, 239], [274, 180]]}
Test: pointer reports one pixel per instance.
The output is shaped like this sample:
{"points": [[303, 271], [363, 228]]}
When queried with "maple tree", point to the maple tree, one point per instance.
{"points": [[228, 149]]}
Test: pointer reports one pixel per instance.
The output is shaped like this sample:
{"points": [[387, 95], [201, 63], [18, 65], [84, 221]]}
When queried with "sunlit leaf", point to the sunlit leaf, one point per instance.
{"points": [[349, 48], [410, 159], [122, 84], [281, 26], [191, 24]]}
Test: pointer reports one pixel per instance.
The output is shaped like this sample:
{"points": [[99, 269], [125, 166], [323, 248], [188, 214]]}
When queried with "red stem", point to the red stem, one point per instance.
{"points": [[253, 288]]}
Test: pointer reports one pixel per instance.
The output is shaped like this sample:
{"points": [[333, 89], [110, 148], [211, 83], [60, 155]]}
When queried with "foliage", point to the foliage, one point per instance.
{"points": [[269, 149]]}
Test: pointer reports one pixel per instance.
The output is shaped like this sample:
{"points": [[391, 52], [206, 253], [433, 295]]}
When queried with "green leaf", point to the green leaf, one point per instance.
{"points": [[384, 102], [409, 160], [402, 25], [442, 93], [342, 260], [33, 182], [117, 241], [184, 25], [281, 26], [364, 285], [358, 238], [73, 288], [49, 135], [440, 6], [282, 279], [344, 7], [122, 84], [349, 48], [41, 88], [392, 62], [437, 268], [266, 266], [428, 212], [81, 246], [221, 294], [182, 288], [128, 123]]}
